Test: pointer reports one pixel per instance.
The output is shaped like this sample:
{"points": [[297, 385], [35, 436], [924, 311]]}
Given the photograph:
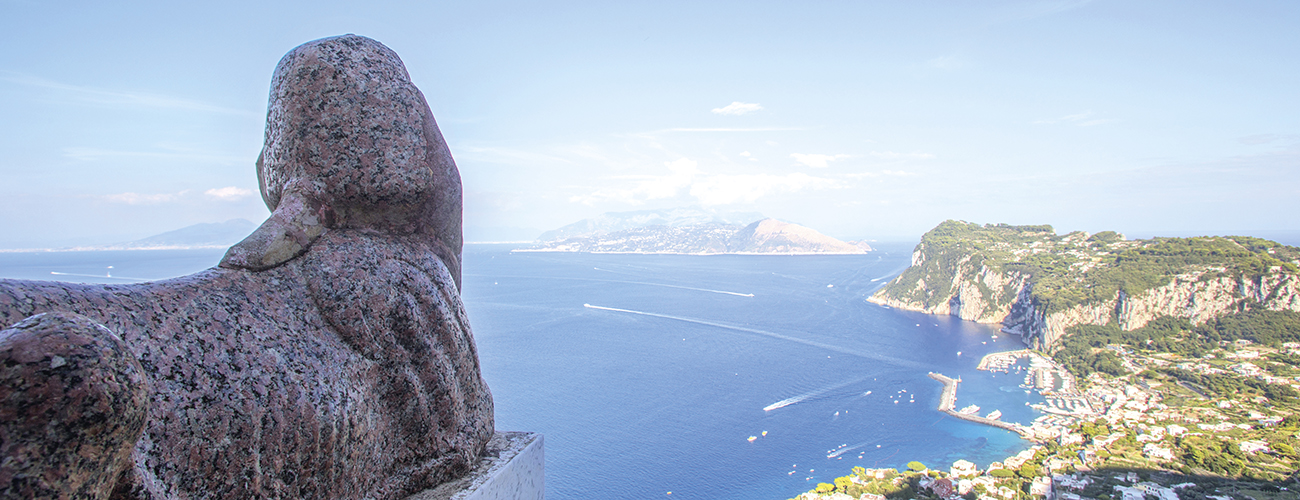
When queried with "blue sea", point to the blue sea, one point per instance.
{"points": [[650, 374]]}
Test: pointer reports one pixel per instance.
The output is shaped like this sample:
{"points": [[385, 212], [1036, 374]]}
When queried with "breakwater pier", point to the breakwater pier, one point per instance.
{"points": [[948, 400]]}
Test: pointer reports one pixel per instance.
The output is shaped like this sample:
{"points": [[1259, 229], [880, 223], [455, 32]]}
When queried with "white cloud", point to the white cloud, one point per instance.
{"points": [[684, 178], [744, 153], [143, 199], [728, 189], [738, 108], [890, 155], [229, 193], [817, 160], [681, 173]]}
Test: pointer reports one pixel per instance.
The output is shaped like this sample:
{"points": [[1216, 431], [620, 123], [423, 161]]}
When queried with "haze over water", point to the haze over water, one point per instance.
{"points": [[648, 373]]}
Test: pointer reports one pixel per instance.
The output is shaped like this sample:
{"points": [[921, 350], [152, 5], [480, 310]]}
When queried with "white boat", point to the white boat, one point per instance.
{"points": [[994, 415], [969, 410]]}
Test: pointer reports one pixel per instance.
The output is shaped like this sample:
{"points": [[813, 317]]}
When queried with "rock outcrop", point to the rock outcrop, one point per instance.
{"points": [[767, 236], [329, 356], [1038, 285]]}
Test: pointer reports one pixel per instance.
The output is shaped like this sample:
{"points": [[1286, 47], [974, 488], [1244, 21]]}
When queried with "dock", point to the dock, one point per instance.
{"points": [[995, 360], [948, 400]]}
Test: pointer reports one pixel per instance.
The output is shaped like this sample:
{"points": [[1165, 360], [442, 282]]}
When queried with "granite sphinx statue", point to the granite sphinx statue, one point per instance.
{"points": [[327, 356]]}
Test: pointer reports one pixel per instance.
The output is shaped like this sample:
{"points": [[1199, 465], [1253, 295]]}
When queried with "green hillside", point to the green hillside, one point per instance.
{"points": [[1076, 268]]}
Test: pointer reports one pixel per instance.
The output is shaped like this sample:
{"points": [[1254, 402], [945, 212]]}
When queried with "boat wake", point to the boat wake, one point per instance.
{"points": [[845, 449], [806, 396], [867, 355], [123, 278]]}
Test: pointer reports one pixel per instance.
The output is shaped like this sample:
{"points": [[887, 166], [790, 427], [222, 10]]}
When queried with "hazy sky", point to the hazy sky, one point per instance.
{"points": [[861, 119]]}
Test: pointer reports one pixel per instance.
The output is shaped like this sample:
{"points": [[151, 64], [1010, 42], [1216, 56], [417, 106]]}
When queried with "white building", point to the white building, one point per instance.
{"points": [[963, 468], [1130, 493], [1154, 451], [1157, 491], [1040, 486]]}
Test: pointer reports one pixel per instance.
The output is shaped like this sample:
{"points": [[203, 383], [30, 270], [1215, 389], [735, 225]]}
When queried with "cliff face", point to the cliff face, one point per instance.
{"points": [[1188, 296], [1038, 284], [971, 291]]}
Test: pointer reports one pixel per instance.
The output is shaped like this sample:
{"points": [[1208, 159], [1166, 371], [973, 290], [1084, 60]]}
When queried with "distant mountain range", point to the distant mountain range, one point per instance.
{"points": [[767, 236], [207, 235]]}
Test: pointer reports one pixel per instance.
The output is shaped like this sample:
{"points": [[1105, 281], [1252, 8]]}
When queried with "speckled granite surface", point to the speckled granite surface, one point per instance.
{"points": [[63, 378], [328, 357]]}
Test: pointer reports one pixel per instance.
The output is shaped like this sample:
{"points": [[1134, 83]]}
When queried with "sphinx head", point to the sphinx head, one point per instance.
{"points": [[350, 144]]}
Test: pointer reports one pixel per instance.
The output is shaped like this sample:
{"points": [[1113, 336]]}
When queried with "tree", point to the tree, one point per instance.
{"points": [[825, 487], [916, 466]]}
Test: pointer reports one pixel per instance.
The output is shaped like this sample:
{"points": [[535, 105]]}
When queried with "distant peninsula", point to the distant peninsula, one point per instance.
{"points": [[1042, 286], [767, 236]]}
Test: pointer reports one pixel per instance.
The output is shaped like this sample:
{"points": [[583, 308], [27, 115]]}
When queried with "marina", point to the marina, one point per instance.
{"points": [[1042, 374], [948, 400]]}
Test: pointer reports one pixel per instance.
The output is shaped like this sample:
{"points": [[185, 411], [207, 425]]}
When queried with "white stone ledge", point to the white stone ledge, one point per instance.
{"points": [[512, 468]]}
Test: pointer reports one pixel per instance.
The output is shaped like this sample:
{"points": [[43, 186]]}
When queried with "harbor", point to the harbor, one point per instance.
{"points": [[1042, 374], [948, 402]]}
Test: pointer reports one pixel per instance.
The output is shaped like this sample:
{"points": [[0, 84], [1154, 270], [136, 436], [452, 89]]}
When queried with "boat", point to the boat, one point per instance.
{"points": [[970, 410], [994, 415], [752, 438]]}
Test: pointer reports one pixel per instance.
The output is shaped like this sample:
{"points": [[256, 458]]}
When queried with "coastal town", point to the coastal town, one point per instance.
{"points": [[1149, 431]]}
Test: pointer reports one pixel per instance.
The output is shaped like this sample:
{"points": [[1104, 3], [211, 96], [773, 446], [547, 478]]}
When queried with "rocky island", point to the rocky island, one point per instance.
{"points": [[767, 236]]}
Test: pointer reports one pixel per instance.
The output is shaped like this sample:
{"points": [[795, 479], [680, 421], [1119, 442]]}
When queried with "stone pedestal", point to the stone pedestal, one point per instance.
{"points": [[512, 468]]}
